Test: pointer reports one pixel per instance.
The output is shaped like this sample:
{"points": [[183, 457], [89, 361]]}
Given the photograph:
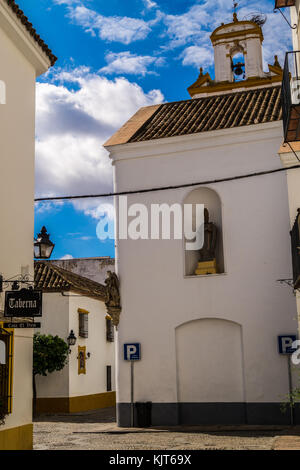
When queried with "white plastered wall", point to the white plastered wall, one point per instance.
{"points": [[102, 351], [55, 321], [157, 298], [60, 316], [17, 133]]}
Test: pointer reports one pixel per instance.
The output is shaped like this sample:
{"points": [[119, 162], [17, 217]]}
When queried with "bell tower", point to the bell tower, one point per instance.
{"points": [[238, 60], [239, 38]]}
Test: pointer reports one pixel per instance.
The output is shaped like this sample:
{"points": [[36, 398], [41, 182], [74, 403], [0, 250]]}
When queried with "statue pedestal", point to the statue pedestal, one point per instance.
{"points": [[206, 267]]}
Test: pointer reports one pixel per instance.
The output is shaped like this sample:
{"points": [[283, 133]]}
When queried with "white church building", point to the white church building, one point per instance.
{"points": [[208, 329]]}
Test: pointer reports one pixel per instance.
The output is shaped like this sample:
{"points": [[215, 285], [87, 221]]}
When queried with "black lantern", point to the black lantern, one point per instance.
{"points": [[71, 339], [43, 246]]}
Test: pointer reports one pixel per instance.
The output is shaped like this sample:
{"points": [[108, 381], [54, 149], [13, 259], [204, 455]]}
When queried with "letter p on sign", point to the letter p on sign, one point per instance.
{"points": [[132, 352], [285, 344]]}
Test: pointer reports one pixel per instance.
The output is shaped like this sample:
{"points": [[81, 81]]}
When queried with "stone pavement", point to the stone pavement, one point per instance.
{"points": [[97, 430]]}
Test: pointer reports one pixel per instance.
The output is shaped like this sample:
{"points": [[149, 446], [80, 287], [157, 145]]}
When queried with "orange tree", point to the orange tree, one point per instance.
{"points": [[50, 354]]}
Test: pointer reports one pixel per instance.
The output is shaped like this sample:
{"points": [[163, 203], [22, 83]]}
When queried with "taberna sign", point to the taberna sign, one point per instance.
{"points": [[23, 303]]}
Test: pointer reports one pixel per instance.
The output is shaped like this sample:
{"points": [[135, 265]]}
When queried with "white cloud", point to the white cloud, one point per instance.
{"points": [[67, 257], [66, 2], [150, 4], [48, 206], [97, 208], [188, 26], [197, 56], [110, 28], [72, 126], [191, 28], [127, 63]]}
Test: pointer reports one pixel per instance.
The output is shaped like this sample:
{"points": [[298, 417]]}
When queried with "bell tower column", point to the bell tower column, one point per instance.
{"points": [[253, 58], [223, 70]]}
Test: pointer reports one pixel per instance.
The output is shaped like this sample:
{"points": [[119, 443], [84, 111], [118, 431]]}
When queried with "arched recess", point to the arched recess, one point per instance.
{"points": [[238, 63], [211, 201], [2, 352], [209, 361]]}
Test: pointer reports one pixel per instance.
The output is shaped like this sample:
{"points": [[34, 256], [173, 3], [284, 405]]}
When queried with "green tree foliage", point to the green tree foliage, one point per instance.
{"points": [[50, 354]]}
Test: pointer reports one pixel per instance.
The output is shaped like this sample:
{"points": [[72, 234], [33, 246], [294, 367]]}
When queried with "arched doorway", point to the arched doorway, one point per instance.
{"points": [[210, 383]]}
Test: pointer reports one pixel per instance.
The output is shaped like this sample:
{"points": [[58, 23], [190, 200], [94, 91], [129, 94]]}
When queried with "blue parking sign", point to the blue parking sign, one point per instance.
{"points": [[132, 352], [285, 344]]}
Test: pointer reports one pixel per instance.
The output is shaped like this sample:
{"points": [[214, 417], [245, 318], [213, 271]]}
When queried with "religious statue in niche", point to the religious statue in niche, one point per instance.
{"points": [[207, 255], [81, 360], [113, 301]]}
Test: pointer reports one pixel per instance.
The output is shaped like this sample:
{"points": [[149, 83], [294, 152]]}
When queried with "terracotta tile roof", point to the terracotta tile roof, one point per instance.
{"points": [[24, 20], [255, 106], [130, 127], [51, 278]]}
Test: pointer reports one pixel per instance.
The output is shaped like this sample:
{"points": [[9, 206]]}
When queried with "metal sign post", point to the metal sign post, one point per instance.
{"points": [[285, 346], [132, 394], [290, 389], [132, 353]]}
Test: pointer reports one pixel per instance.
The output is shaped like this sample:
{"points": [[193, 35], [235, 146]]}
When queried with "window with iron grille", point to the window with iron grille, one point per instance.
{"points": [[108, 379], [295, 240], [284, 3], [83, 325], [109, 330], [6, 371]]}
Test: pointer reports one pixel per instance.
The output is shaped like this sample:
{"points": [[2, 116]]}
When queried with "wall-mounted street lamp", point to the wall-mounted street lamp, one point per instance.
{"points": [[71, 339], [43, 246]]}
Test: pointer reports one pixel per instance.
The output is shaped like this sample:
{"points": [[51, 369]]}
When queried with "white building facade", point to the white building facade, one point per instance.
{"points": [[23, 57], [72, 303], [289, 151], [208, 342]]}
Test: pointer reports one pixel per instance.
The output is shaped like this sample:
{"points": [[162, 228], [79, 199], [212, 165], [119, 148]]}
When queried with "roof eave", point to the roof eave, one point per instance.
{"points": [[126, 132], [18, 34], [80, 292], [189, 142]]}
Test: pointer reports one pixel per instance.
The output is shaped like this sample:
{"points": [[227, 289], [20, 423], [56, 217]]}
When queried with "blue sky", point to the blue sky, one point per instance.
{"points": [[114, 57]]}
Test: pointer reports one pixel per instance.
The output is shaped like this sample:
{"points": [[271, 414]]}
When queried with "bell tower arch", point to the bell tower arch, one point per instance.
{"points": [[244, 37]]}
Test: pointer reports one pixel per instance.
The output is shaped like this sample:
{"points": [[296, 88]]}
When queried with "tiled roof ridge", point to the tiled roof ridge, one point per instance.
{"points": [[219, 95], [24, 20], [213, 112], [69, 278]]}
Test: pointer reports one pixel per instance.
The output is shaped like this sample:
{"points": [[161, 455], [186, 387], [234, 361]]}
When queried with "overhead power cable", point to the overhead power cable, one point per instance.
{"points": [[166, 188]]}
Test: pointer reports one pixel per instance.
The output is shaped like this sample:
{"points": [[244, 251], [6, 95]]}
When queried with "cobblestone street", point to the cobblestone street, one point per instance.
{"points": [[97, 430]]}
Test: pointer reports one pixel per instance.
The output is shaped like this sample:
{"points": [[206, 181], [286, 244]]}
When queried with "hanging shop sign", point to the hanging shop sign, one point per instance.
{"points": [[23, 324], [23, 303]]}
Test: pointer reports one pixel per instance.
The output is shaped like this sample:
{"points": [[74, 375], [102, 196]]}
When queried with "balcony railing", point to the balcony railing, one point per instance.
{"points": [[295, 239], [284, 3], [290, 97]]}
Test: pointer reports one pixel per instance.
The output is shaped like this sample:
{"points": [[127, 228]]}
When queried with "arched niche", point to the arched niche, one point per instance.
{"points": [[209, 361], [238, 64], [211, 201], [2, 352]]}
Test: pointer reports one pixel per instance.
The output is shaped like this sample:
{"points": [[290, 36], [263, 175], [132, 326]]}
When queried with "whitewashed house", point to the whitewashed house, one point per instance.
{"points": [[290, 149], [94, 268], [23, 57], [74, 305], [209, 341]]}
